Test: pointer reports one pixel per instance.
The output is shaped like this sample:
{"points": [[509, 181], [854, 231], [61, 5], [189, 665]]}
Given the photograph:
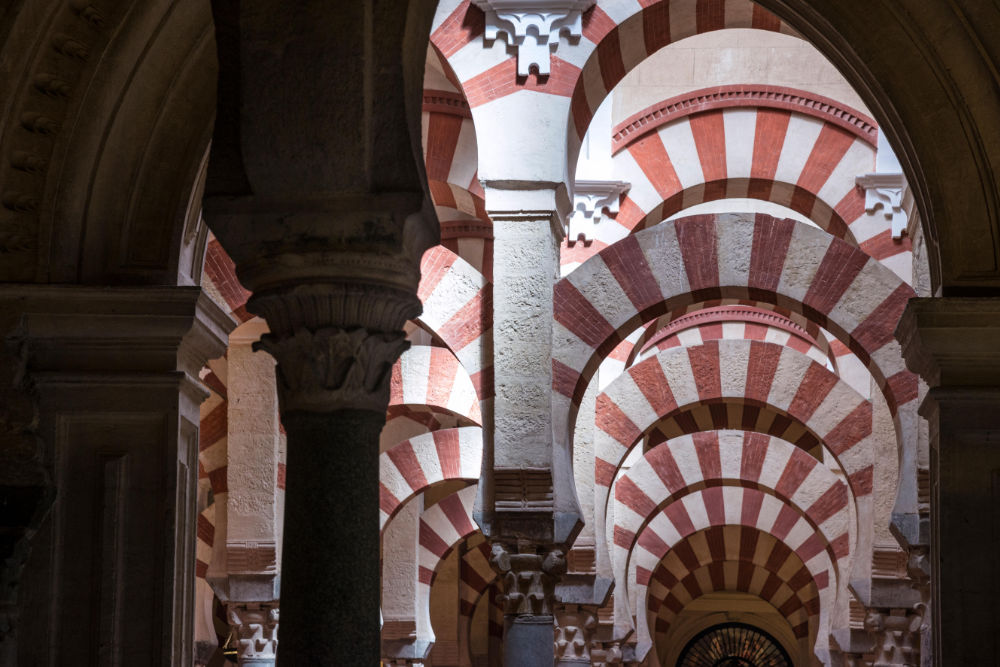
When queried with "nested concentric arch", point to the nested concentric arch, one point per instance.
{"points": [[733, 645]]}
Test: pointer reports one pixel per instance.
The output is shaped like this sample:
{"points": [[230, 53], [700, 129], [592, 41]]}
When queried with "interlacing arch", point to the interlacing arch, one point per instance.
{"points": [[432, 376], [734, 558], [442, 526], [739, 256], [414, 465], [728, 478], [458, 308]]}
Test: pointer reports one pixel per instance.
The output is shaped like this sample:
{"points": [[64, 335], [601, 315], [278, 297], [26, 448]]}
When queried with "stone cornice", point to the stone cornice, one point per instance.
{"points": [[446, 102], [952, 341], [721, 97]]}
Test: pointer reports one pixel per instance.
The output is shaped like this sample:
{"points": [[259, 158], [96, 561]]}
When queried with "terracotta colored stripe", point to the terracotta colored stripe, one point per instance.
{"points": [[800, 579], [852, 206], [649, 378], [482, 382], [564, 378], [200, 569], [720, 415], [827, 152], [629, 493], [219, 480], [214, 426], [613, 421], [710, 15], [386, 501], [442, 194], [813, 389], [604, 472], [877, 329], [623, 538], [678, 516], [425, 575], [628, 265], [580, 110], [470, 321], [903, 388], [597, 24], [704, 360], [574, 312], [752, 502], [449, 452], [754, 450], [771, 239], [715, 504], [652, 543], [784, 522], [709, 132], [462, 26], [213, 382], [433, 268], [808, 549], [696, 238], [442, 140], [851, 430], [882, 245], [840, 266], [282, 475], [656, 26], [405, 460], [431, 541], [651, 156], [706, 447], [761, 19], [502, 80], [831, 502], [749, 537], [797, 468], [761, 367], [744, 575], [457, 514], [609, 58], [662, 461], [441, 377], [206, 530]]}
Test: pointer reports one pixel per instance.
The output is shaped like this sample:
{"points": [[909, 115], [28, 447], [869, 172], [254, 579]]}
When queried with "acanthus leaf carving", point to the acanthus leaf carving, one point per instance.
{"points": [[528, 579]]}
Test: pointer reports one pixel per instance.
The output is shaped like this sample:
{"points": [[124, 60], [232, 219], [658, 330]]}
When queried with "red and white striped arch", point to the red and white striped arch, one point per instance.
{"points": [[434, 377], [442, 526], [458, 308], [786, 146], [755, 373], [740, 256], [734, 558], [413, 465], [732, 323]]}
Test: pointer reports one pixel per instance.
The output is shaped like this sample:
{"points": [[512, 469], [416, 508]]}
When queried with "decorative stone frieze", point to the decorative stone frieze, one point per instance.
{"points": [[885, 191], [575, 625], [533, 27], [255, 631], [590, 201], [896, 635], [528, 579]]}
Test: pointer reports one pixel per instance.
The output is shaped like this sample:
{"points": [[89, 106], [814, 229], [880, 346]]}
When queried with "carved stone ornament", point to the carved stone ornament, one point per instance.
{"points": [[575, 625], [896, 633], [590, 200], [528, 579], [533, 27], [334, 369], [608, 654], [886, 191], [255, 630]]}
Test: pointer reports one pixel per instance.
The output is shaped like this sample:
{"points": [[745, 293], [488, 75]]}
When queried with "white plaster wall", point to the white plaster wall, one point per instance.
{"points": [[727, 57], [399, 564]]}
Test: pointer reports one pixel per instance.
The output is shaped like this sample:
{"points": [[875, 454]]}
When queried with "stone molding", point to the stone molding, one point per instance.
{"points": [[778, 97], [533, 27], [590, 200], [446, 102], [255, 630], [886, 191], [952, 341]]}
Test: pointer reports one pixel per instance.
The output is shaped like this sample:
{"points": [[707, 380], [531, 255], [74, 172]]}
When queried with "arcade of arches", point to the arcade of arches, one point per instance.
{"points": [[499, 332]]}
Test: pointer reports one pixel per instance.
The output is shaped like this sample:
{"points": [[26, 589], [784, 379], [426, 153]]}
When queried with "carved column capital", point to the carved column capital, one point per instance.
{"points": [[254, 631], [335, 343], [528, 578]]}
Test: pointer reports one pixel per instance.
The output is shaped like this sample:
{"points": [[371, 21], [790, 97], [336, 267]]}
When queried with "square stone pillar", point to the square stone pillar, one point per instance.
{"points": [[110, 580], [954, 344]]}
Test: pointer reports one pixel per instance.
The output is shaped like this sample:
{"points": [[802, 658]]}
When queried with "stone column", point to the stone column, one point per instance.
{"points": [[111, 578], [315, 190], [952, 343], [528, 506], [245, 576]]}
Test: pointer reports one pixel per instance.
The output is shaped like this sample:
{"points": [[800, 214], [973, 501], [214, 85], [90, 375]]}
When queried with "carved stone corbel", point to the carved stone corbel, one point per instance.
{"points": [[255, 631], [528, 579]]}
